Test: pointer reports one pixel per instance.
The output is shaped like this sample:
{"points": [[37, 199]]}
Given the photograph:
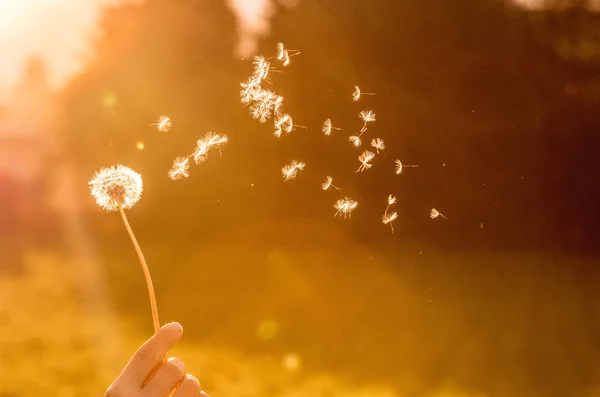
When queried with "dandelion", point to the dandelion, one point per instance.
{"points": [[400, 166], [378, 144], [356, 94], [117, 188], [435, 213], [181, 167], [365, 159], [368, 117], [355, 139], [328, 183], [391, 200], [389, 218], [163, 124], [345, 207], [327, 127]]}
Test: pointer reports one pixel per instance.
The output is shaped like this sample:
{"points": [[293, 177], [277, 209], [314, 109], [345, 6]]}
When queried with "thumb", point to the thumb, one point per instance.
{"points": [[151, 353]]}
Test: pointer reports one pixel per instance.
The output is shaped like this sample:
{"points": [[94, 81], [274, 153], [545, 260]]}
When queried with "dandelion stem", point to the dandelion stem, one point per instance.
{"points": [[140, 255]]}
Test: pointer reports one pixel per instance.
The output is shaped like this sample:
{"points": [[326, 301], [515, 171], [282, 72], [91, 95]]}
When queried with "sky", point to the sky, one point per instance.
{"points": [[59, 31]]}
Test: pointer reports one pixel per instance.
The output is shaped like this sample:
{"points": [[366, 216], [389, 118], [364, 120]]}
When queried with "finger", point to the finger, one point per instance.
{"points": [[151, 353], [166, 378], [190, 387]]}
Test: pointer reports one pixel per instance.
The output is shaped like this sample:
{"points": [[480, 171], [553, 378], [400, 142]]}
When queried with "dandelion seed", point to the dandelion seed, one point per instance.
{"points": [[261, 68], [278, 132], [365, 159], [389, 218], [355, 140], [328, 183], [286, 58], [281, 51], [180, 169], [163, 124], [115, 189], [435, 213], [400, 166], [290, 171], [391, 201], [345, 207], [298, 165], [368, 117], [356, 94], [378, 144], [327, 127]]}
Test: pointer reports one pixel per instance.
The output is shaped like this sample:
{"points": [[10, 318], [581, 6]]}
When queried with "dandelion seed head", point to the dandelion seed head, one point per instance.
{"points": [[391, 199], [116, 186]]}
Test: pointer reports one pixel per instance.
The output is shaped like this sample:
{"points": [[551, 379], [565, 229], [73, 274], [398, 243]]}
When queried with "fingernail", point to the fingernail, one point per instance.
{"points": [[174, 326], [177, 362], [193, 378]]}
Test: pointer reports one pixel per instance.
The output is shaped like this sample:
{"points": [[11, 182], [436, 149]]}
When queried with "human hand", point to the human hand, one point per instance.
{"points": [[148, 375]]}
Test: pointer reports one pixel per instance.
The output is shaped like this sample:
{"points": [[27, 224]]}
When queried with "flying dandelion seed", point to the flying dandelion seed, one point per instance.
{"points": [[163, 124], [356, 94], [387, 219], [367, 116], [435, 213], [298, 165], [378, 144], [284, 54], [365, 159], [328, 183], [280, 51], [115, 189], [328, 127], [140, 145], [345, 207], [400, 166], [286, 58], [180, 169], [278, 132], [391, 200], [355, 140], [290, 171]]}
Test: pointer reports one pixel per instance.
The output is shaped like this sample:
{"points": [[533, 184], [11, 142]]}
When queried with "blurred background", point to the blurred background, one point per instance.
{"points": [[496, 102]]}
